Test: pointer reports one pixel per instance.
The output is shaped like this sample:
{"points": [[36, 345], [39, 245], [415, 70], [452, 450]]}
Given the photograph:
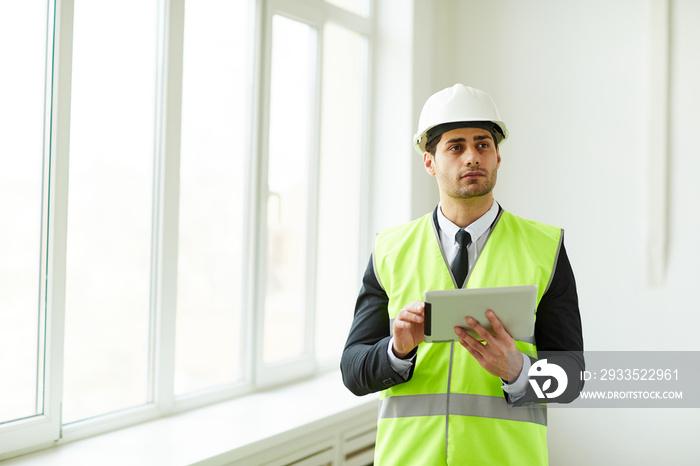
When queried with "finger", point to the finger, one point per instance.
{"points": [[477, 355], [498, 328], [478, 328], [416, 308], [410, 316], [402, 324], [465, 335], [468, 341]]}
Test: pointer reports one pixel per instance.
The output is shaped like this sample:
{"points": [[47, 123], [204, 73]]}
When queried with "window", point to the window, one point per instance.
{"points": [[314, 148], [340, 178], [110, 208], [214, 165], [22, 243], [184, 204], [291, 158], [28, 330]]}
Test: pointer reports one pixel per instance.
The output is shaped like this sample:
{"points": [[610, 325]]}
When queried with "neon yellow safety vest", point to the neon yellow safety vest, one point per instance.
{"points": [[452, 411]]}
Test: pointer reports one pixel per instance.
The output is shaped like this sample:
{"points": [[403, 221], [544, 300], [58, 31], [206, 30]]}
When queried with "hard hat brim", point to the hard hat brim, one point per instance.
{"points": [[496, 128]]}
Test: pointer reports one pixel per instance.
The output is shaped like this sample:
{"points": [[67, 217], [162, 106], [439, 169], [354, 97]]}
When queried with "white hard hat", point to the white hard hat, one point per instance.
{"points": [[458, 104]]}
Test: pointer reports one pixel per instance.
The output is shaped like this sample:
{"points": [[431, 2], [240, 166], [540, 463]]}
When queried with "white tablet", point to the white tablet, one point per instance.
{"points": [[447, 309]]}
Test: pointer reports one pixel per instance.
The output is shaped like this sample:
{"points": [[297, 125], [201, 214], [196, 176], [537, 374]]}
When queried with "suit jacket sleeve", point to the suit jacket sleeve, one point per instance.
{"points": [[365, 363], [558, 333]]}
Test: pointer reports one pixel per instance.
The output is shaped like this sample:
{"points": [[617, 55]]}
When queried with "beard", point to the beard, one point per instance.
{"points": [[468, 189]]}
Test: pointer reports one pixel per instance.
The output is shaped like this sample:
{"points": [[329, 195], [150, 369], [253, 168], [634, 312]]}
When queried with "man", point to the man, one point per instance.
{"points": [[447, 403]]}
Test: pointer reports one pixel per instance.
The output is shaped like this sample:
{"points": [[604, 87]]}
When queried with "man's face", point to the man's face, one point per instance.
{"points": [[465, 163]]}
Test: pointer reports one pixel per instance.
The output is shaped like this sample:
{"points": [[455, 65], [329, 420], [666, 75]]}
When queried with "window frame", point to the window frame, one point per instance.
{"points": [[316, 14], [36, 432], [271, 374], [23, 434]]}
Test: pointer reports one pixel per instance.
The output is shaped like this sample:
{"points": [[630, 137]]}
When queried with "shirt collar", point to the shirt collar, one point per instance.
{"points": [[475, 229]]}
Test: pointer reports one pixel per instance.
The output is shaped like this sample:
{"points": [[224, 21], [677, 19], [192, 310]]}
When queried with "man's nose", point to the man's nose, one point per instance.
{"points": [[470, 156]]}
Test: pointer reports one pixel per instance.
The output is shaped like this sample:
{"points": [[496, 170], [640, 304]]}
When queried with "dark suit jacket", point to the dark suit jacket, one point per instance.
{"points": [[365, 363]]}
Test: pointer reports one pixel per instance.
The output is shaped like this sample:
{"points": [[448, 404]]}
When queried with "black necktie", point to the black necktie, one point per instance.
{"points": [[460, 266]]}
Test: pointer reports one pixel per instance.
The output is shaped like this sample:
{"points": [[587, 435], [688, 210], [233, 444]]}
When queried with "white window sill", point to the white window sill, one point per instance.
{"points": [[225, 432]]}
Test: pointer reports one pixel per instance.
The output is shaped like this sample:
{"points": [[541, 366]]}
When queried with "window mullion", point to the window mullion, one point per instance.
{"points": [[262, 193], [298, 364], [313, 203], [362, 25], [364, 233], [58, 159], [255, 209], [167, 202]]}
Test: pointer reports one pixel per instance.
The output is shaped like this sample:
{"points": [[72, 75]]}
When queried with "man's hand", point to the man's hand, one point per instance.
{"points": [[492, 356], [408, 328]]}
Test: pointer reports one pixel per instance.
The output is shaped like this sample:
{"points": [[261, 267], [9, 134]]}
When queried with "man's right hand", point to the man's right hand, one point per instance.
{"points": [[408, 328]]}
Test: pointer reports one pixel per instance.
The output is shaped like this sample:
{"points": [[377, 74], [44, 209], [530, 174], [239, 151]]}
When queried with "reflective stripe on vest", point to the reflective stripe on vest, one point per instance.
{"points": [[452, 411], [459, 404]]}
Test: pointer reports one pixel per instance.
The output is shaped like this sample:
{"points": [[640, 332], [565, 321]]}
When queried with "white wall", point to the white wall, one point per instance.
{"points": [[404, 72], [571, 80], [390, 146]]}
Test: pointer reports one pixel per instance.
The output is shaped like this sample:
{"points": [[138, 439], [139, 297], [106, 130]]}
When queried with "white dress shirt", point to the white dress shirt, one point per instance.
{"points": [[479, 231]]}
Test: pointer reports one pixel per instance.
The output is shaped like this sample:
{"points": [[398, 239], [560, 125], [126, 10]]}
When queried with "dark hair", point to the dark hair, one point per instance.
{"points": [[431, 145], [435, 134]]}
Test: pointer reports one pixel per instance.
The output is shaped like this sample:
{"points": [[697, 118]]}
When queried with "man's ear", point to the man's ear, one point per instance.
{"points": [[429, 163], [498, 157]]}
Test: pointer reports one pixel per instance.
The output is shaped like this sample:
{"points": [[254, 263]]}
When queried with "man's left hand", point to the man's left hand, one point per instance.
{"points": [[492, 355]]}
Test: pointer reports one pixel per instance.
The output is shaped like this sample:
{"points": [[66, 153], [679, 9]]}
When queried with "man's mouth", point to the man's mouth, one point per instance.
{"points": [[472, 174]]}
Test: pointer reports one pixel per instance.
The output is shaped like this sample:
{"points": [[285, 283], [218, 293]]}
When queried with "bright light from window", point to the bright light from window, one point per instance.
{"points": [[110, 207], [292, 102], [214, 157], [285, 257], [337, 274], [22, 86]]}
